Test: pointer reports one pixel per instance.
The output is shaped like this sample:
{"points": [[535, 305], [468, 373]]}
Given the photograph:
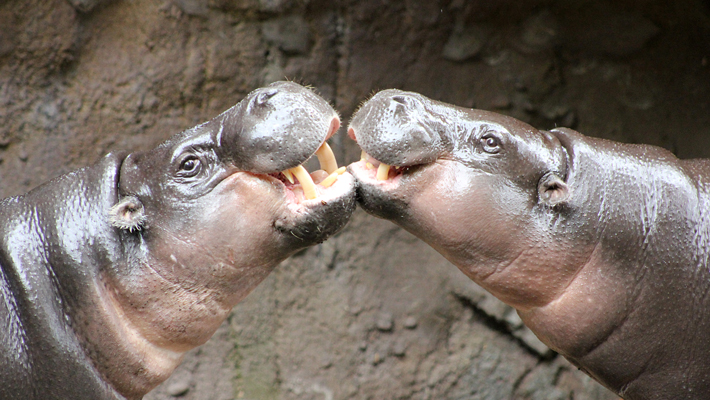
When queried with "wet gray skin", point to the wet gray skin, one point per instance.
{"points": [[109, 274], [602, 247]]}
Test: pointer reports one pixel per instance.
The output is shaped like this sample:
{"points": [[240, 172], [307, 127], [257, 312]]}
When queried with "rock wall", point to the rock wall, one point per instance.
{"points": [[372, 313]]}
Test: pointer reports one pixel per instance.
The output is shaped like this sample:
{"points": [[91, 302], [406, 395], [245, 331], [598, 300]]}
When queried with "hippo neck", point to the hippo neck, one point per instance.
{"points": [[630, 208], [130, 362], [55, 239], [82, 251]]}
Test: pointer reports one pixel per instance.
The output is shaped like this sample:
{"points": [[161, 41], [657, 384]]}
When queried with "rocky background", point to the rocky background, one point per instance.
{"points": [[372, 313]]}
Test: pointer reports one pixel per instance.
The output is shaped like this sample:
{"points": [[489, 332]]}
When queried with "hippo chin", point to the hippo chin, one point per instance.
{"points": [[602, 247], [109, 274]]}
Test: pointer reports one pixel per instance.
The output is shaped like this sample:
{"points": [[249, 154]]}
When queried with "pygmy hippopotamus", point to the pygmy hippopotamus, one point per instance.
{"points": [[601, 247], [110, 273]]}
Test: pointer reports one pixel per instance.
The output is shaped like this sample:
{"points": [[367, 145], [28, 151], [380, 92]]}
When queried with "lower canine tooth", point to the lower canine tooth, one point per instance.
{"points": [[327, 182], [382, 172], [327, 159], [341, 170], [309, 188], [288, 175]]}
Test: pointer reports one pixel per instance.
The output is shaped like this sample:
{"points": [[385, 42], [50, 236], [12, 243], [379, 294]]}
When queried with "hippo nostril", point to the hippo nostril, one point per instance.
{"points": [[264, 96], [399, 99]]}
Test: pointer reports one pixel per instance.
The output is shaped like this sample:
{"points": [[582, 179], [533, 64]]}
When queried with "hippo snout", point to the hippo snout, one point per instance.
{"points": [[277, 128], [399, 128]]}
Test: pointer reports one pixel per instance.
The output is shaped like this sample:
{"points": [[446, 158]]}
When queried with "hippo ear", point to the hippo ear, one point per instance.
{"points": [[128, 214], [552, 190]]}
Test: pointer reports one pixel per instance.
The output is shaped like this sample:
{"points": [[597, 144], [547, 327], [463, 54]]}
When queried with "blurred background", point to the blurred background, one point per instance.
{"points": [[372, 313]]}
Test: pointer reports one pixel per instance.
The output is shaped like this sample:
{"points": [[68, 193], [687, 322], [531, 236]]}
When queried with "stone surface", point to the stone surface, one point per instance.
{"points": [[410, 322], [384, 322], [538, 32], [177, 388], [127, 74], [85, 5], [465, 42], [290, 34]]}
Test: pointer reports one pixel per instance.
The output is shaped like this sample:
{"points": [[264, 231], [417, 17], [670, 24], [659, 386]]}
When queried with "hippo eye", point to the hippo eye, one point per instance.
{"points": [[190, 166], [490, 143]]}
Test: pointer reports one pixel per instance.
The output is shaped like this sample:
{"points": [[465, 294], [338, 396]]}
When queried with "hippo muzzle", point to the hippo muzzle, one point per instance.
{"points": [[404, 128], [267, 134]]}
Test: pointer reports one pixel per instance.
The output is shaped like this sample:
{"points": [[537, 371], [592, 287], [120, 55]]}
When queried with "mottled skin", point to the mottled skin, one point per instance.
{"points": [[602, 247], [109, 274]]}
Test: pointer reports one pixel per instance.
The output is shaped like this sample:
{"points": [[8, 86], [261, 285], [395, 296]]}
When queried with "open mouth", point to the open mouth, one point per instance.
{"points": [[309, 186], [381, 171]]}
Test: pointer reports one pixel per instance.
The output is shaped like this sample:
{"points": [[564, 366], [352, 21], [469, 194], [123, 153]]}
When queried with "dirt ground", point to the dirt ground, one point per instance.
{"points": [[373, 313]]}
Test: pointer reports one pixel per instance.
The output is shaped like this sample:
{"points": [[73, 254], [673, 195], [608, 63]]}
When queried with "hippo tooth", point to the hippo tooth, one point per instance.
{"points": [[309, 187], [382, 172], [288, 175], [327, 182], [330, 179], [363, 156], [327, 159], [369, 165]]}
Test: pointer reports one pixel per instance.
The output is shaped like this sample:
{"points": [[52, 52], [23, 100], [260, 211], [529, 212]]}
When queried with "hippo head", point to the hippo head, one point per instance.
{"points": [[470, 183], [243, 169], [206, 215]]}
